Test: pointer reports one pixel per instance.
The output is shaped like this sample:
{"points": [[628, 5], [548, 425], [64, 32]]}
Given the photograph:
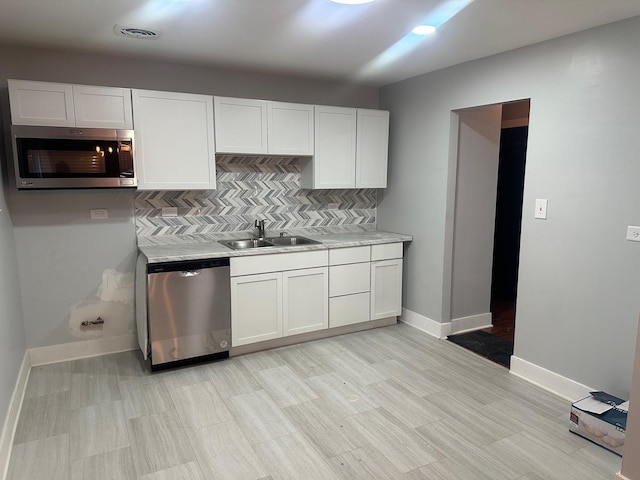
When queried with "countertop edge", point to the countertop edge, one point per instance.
{"points": [[206, 250]]}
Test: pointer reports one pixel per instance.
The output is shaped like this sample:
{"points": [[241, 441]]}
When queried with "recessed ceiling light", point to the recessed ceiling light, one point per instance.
{"points": [[424, 30], [136, 32], [352, 2]]}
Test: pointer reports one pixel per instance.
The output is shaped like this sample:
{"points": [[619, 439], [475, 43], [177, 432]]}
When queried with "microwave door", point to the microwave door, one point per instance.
{"points": [[61, 158]]}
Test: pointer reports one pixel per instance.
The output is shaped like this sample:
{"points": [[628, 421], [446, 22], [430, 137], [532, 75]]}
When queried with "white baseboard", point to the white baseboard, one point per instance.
{"points": [[425, 324], [555, 383], [82, 349], [619, 476], [470, 323], [13, 413]]}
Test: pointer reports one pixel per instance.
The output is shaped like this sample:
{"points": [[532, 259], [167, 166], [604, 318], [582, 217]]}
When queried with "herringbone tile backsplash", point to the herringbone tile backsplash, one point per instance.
{"points": [[250, 188]]}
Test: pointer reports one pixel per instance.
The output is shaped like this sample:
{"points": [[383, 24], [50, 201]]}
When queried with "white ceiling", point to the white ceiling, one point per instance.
{"points": [[303, 37]]}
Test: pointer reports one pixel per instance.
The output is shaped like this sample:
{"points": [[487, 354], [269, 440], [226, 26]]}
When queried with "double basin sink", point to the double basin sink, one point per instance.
{"points": [[246, 243]]}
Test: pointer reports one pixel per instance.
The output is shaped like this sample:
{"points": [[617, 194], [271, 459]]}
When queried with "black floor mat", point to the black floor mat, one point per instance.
{"points": [[489, 346]]}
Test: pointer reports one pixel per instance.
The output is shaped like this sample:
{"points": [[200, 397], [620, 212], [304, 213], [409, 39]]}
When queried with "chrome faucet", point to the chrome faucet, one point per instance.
{"points": [[259, 225]]}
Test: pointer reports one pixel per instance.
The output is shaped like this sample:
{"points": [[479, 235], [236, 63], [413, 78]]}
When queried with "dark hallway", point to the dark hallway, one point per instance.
{"points": [[496, 342]]}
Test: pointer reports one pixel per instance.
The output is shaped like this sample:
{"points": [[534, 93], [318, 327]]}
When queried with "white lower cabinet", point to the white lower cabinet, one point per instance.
{"points": [[349, 285], [386, 288], [256, 308], [349, 309], [267, 304], [304, 298], [282, 294]]}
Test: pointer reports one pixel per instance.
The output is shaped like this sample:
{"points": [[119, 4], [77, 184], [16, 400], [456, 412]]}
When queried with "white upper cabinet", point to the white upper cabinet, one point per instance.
{"points": [[64, 105], [290, 127], [241, 125], [174, 141], [41, 103], [351, 149], [102, 107], [333, 164], [248, 126], [372, 148]]}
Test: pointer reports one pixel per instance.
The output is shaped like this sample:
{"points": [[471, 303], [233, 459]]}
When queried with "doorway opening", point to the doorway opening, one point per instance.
{"points": [[495, 341]]}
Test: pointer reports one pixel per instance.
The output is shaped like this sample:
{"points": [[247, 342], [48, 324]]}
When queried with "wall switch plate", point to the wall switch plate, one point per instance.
{"points": [[541, 208], [99, 213], [633, 233], [169, 211]]}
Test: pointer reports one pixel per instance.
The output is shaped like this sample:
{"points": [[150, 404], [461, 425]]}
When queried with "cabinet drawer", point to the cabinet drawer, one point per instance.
{"points": [[348, 279], [348, 310], [278, 262], [386, 251], [341, 256]]}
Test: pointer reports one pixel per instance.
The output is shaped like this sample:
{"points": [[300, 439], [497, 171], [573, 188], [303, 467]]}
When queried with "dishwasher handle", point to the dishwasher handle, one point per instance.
{"points": [[189, 273], [187, 265]]}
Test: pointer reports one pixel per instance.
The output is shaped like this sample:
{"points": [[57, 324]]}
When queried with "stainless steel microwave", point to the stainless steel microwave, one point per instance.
{"points": [[66, 157]]}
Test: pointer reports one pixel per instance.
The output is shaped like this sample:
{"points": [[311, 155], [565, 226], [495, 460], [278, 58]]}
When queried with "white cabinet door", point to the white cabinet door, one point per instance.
{"points": [[241, 125], [256, 308], [41, 103], [349, 279], [348, 309], [290, 127], [386, 289], [102, 107], [334, 162], [372, 148], [174, 147], [305, 300]]}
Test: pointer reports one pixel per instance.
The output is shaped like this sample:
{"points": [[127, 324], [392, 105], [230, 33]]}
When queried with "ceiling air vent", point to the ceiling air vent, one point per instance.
{"points": [[135, 32]]}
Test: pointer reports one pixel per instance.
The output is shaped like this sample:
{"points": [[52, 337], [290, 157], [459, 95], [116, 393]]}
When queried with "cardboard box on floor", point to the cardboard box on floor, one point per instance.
{"points": [[602, 419]]}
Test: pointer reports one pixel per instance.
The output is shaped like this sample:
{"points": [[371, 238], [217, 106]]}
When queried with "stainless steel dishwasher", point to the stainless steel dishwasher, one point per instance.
{"points": [[189, 311]]}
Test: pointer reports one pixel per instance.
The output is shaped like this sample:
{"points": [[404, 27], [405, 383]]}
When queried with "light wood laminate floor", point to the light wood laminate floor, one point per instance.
{"points": [[389, 403]]}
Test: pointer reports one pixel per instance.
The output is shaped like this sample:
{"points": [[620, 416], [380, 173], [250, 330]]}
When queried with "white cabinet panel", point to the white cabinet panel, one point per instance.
{"points": [[240, 125], [342, 256], [102, 107], [305, 300], [41, 103], [290, 127], [348, 310], [333, 165], [174, 141], [348, 279], [386, 251], [386, 289], [256, 308], [372, 148], [65, 105], [277, 262]]}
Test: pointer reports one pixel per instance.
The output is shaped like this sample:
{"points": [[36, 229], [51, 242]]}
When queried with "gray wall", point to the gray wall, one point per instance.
{"points": [[72, 268], [12, 337], [578, 290]]}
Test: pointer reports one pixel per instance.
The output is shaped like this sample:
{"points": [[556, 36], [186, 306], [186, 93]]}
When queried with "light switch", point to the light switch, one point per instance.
{"points": [[541, 208], [99, 213], [633, 233]]}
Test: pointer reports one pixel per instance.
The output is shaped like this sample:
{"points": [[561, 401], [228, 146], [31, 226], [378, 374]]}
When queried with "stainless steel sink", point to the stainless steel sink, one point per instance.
{"points": [[246, 243], [291, 241], [267, 242]]}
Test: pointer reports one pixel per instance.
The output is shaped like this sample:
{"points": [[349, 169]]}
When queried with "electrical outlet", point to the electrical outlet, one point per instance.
{"points": [[99, 213], [633, 233], [169, 211], [541, 208]]}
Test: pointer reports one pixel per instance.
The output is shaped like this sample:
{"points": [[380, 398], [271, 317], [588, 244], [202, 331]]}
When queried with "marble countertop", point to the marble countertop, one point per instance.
{"points": [[197, 247]]}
